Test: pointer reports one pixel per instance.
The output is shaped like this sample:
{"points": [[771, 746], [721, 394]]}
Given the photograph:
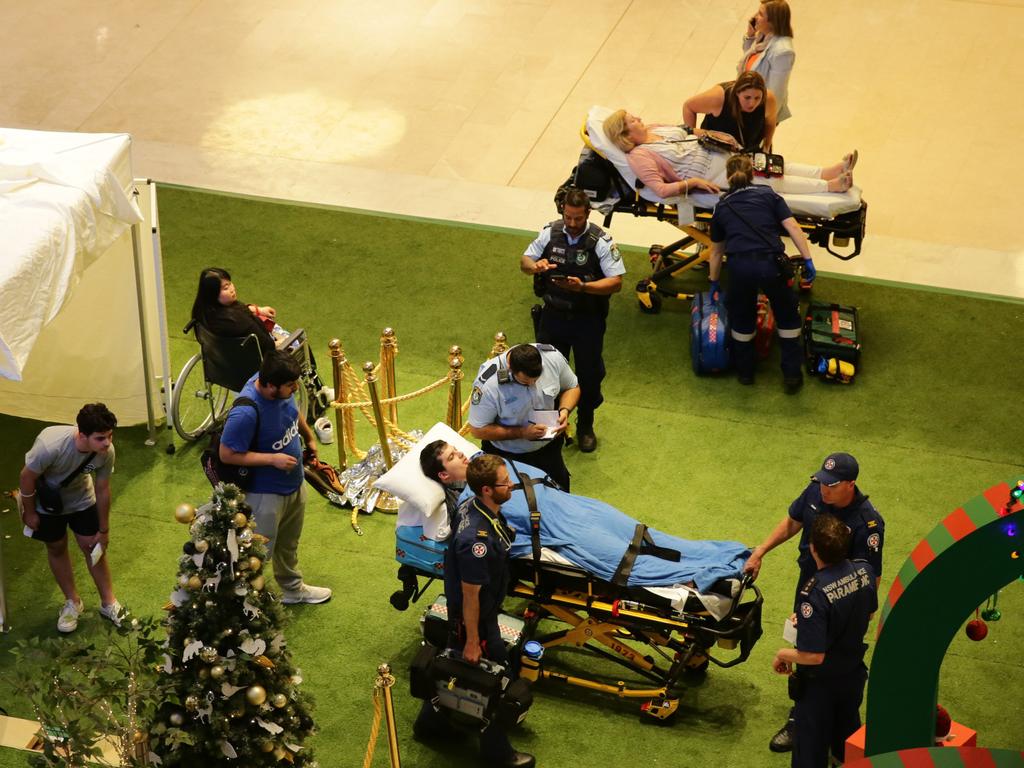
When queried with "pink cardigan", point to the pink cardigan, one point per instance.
{"points": [[654, 171]]}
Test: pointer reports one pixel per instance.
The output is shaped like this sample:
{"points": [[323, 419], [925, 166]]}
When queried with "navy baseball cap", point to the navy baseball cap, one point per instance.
{"points": [[838, 467]]}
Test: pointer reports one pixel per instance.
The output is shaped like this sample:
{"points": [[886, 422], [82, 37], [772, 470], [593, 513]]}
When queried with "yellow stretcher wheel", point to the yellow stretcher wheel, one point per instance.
{"points": [[648, 298]]}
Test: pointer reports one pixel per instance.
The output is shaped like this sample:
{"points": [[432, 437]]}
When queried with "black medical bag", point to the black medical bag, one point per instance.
{"points": [[477, 694], [831, 333], [596, 176]]}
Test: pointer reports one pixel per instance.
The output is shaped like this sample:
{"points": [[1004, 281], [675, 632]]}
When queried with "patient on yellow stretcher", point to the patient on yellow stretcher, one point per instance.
{"points": [[588, 533]]}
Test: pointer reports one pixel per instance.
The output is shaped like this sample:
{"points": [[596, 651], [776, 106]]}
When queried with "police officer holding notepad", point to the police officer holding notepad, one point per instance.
{"points": [[514, 394]]}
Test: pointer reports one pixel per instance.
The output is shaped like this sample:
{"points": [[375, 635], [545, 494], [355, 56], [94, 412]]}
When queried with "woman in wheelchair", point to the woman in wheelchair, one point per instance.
{"points": [[219, 311], [668, 161]]}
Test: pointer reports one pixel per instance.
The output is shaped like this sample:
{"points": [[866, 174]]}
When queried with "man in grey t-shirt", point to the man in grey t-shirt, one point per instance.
{"points": [[74, 462]]}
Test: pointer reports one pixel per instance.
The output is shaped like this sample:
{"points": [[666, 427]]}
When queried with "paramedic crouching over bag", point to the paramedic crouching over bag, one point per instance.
{"points": [[475, 582]]}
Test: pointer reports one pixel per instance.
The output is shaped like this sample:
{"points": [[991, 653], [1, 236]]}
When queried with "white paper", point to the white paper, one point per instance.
{"points": [[789, 630], [28, 532], [548, 419], [96, 554]]}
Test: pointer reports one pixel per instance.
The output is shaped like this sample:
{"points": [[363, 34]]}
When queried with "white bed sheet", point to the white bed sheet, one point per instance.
{"points": [[826, 205], [63, 201], [717, 605]]}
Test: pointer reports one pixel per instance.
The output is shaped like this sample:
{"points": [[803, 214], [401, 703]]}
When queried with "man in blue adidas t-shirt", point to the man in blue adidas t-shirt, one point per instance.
{"points": [[266, 438]]}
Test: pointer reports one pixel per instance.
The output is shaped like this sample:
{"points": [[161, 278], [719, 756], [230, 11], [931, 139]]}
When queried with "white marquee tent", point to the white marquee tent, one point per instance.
{"points": [[81, 288]]}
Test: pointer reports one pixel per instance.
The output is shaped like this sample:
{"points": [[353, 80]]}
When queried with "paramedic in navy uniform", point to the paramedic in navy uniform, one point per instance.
{"points": [[508, 389], [833, 612], [476, 579], [746, 225], [576, 268], [832, 489]]}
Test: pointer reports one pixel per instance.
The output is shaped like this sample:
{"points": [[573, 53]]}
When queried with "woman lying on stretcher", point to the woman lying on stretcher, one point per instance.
{"points": [[590, 533], [672, 163]]}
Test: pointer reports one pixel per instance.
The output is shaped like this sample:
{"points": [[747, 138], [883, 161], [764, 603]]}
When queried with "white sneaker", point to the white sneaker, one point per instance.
{"points": [[306, 594], [324, 430], [68, 619], [115, 612]]}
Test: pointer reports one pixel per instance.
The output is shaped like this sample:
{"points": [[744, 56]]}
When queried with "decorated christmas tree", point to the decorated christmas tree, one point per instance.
{"points": [[231, 694]]}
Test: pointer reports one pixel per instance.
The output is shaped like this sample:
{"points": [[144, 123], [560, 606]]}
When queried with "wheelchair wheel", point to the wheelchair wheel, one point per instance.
{"points": [[302, 399], [196, 406]]}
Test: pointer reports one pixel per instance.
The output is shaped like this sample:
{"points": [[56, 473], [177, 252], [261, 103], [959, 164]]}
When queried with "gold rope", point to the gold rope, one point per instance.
{"points": [[388, 400], [375, 728]]}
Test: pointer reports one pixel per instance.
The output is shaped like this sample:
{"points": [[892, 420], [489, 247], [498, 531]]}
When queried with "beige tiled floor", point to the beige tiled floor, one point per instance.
{"points": [[469, 109]]}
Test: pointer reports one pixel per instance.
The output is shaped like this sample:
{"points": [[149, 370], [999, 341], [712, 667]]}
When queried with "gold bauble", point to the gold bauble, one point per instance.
{"points": [[279, 753], [195, 583], [264, 662], [202, 545], [279, 700], [255, 563], [258, 583], [185, 513], [208, 654], [239, 520], [256, 695], [177, 719], [192, 703], [203, 673], [217, 671], [267, 746]]}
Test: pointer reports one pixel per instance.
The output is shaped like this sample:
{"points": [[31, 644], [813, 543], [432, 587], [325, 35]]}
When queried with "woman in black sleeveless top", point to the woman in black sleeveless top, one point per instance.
{"points": [[743, 108]]}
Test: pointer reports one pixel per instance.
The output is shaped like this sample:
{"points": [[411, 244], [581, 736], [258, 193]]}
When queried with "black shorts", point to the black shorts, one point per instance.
{"points": [[53, 528]]}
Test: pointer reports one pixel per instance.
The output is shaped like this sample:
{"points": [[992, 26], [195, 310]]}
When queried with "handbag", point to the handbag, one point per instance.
{"points": [[48, 497]]}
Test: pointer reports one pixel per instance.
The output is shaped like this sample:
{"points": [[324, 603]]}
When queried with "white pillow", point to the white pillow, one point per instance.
{"points": [[406, 480]]}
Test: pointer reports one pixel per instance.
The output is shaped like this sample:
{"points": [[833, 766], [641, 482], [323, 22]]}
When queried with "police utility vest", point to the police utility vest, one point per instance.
{"points": [[579, 260]]}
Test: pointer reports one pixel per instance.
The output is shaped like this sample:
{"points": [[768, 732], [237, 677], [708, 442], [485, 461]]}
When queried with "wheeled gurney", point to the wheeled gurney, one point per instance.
{"points": [[830, 221], [658, 632]]}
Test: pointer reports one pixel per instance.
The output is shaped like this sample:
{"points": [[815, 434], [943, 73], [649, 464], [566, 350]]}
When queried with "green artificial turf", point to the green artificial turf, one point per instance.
{"points": [[934, 418]]}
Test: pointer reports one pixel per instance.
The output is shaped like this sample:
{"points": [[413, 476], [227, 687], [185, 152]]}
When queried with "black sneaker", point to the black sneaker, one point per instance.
{"points": [[792, 384], [783, 740]]}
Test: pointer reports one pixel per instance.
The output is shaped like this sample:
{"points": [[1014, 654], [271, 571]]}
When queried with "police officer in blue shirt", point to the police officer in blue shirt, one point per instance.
{"points": [[746, 225], [476, 579], [576, 267], [833, 489], [508, 392], [834, 610]]}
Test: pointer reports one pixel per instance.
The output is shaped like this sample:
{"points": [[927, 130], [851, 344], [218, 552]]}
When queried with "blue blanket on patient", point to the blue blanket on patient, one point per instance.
{"points": [[594, 535]]}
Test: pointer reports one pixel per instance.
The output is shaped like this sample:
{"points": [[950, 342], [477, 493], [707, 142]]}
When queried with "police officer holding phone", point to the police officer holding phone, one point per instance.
{"points": [[834, 608], [576, 268]]}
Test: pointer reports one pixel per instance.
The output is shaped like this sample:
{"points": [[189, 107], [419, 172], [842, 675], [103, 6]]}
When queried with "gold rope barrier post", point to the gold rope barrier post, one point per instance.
{"points": [[386, 681], [500, 344], [455, 375], [378, 413], [342, 419], [388, 352]]}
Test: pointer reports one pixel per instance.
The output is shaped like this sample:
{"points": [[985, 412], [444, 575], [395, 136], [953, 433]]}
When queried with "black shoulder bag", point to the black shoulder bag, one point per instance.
{"points": [[49, 498]]}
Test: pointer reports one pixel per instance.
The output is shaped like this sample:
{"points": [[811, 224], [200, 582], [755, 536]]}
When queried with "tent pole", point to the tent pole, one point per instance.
{"points": [[161, 301], [146, 364]]}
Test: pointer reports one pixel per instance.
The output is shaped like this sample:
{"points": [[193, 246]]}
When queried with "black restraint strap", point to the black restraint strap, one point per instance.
{"points": [[642, 544], [527, 483]]}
